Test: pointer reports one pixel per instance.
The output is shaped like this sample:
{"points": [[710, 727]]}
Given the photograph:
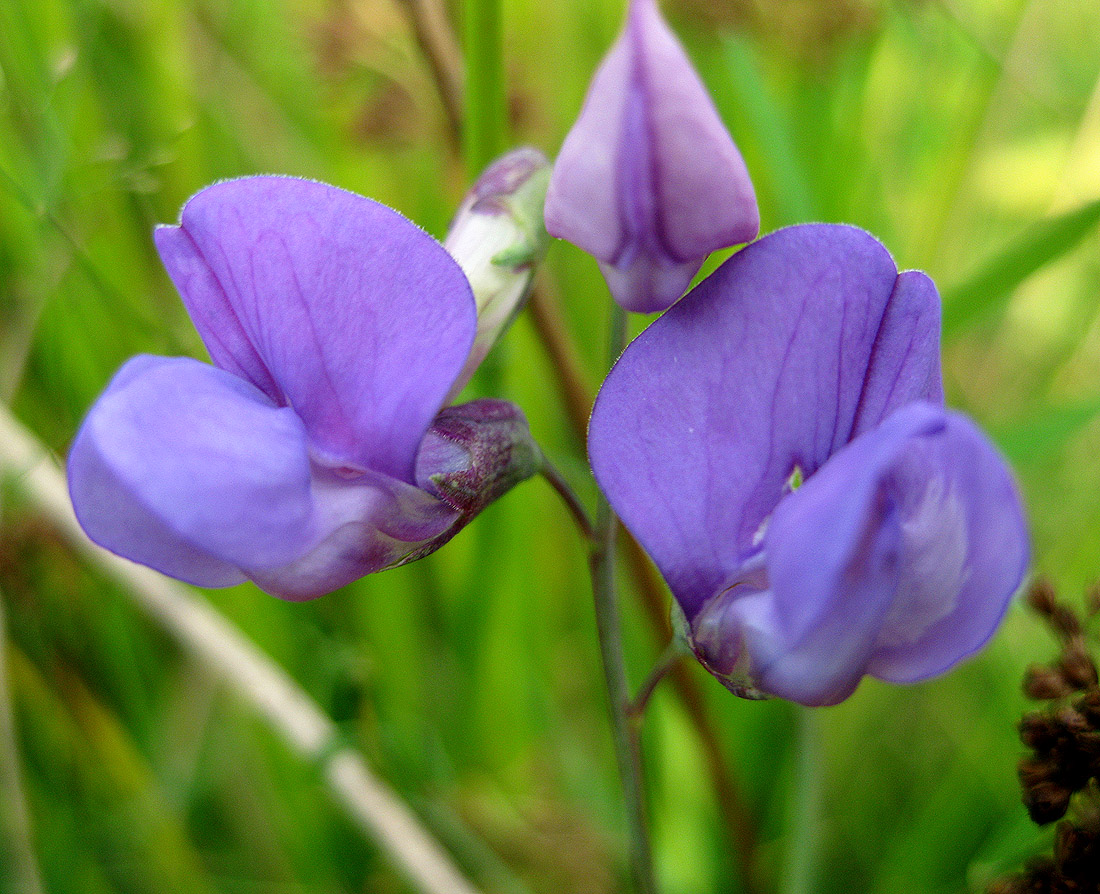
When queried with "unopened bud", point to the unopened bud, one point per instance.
{"points": [[1076, 664], [1045, 798], [1041, 596], [1044, 683], [474, 453], [648, 180], [498, 238]]}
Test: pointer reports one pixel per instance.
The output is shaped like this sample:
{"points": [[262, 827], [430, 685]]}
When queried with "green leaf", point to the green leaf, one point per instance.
{"points": [[990, 286], [1045, 432]]}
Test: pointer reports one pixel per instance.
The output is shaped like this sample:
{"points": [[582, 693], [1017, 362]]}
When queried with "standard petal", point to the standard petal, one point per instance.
{"points": [[192, 471], [905, 363], [965, 553], [834, 554], [759, 371], [328, 302]]}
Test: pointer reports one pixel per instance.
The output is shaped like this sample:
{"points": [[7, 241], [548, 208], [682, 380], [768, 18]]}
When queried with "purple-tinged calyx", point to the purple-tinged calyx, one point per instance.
{"points": [[778, 443], [649, 181], [476, 452], [337, 329]]}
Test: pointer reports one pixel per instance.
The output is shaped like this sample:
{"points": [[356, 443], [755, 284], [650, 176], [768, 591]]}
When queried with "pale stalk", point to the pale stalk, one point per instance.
{"points": [[18, 866], [216, 644], [569, 497]]}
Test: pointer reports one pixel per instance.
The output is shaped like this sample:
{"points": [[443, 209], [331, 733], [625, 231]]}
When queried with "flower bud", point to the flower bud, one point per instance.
{"points": [[648, 180], [476, 452], [498, 238]]}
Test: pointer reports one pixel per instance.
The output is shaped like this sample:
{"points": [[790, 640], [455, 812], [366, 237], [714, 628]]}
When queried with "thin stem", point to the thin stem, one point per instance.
{"points": [[576, 393], [738, 819], [567, 369], [18, 865], [216, 644], [672, 654], [550, 327], [437, 42], [624, 731], [485, 122], [572, 502], [804, 819]]}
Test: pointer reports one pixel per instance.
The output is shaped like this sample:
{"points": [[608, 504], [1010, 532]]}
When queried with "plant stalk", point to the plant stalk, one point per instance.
{"points": [[572, 502], [804, 816], [485, 123], [625, 732]]}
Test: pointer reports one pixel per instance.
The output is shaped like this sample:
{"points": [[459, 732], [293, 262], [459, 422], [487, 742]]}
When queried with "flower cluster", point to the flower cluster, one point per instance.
{"points": [[777, 440]]}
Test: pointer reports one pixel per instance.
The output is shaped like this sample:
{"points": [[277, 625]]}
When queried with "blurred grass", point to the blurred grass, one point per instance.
{"points": [[954, 130]]}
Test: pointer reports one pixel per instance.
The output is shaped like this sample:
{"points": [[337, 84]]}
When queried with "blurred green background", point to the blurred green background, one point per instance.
{"points": [[964, 133]]}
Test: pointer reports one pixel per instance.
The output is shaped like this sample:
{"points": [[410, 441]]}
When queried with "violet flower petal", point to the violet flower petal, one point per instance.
{"points": [[761, 369], [897, 559], [648, 180], [966, 551], [191, 470], [905, 363], [834, 554], [362, 526], [328, 302]]}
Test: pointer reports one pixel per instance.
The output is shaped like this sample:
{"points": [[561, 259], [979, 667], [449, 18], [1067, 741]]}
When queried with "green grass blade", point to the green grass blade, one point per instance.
{"points": [[990, 286]]}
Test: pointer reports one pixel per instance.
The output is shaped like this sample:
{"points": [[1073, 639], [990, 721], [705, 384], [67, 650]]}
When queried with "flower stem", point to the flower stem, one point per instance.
{"points": [[673, 652], [437, 41], [572, 502], [565, 363], [21, 866], [485, 122], [804, 816], [625, 732]]}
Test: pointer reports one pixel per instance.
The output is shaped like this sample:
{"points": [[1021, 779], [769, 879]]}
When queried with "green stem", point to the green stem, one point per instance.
{"points": [[569, 497], [625, 731], [804, 819], [485, 125], [674, 651]]}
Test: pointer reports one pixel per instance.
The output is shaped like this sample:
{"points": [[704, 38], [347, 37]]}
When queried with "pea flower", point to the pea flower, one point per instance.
{"points": [[648, 181], [315, 449], [777, 442]]}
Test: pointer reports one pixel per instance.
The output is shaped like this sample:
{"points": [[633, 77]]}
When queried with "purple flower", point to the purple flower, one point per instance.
{"points": [[778, 443], [648, 180], [307, 455]]}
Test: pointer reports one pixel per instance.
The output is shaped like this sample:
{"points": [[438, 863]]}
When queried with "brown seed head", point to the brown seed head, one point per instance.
{"points": [[1041, 596], [1044, 683]]}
